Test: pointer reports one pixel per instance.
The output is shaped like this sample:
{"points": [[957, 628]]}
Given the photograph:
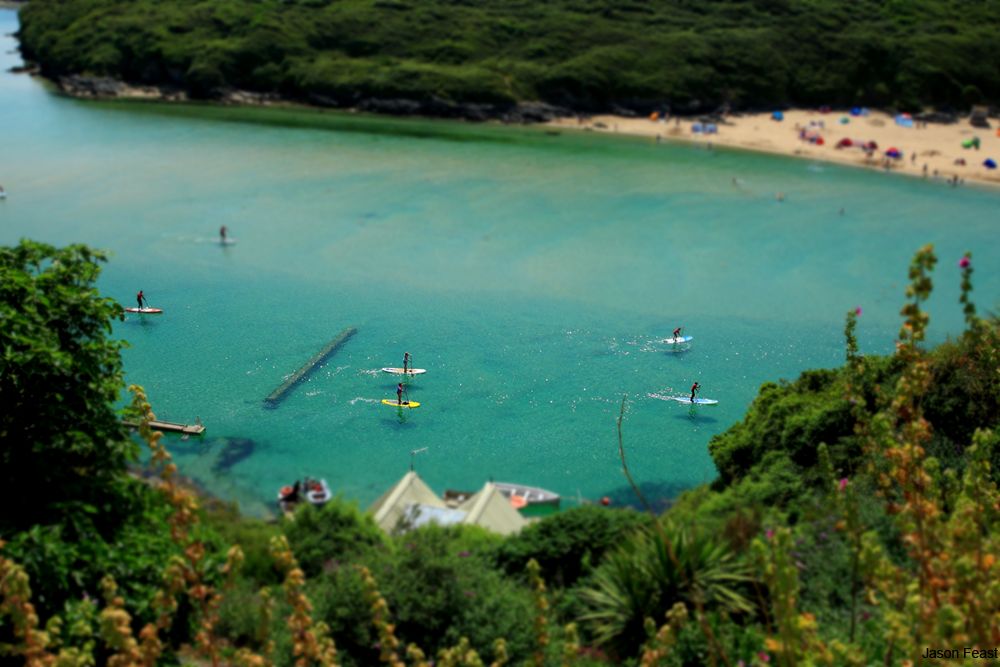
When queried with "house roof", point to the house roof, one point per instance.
{"points": [[410, 503]]}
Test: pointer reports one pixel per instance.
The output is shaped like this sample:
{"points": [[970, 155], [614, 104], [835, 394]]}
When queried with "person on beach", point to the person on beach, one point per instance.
{"points": [[406, 361], [399, 394], [222, 233], [694, 390], [677, 333]]}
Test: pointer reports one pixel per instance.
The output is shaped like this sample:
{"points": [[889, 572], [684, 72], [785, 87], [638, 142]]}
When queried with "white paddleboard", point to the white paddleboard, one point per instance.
{"points": [[409, 371], [145, 311], [687, 400], [227, 241], [679, 339]]}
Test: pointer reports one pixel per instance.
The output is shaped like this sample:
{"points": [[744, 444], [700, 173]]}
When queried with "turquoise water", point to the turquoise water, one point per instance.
{"points": [[531, 274]]}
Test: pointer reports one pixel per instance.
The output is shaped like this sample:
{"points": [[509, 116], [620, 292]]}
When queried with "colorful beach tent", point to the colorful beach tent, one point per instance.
{"points": [[855, 111], [894, 153], [904, 120], [777, 115], [990, 163], [845, 143]]}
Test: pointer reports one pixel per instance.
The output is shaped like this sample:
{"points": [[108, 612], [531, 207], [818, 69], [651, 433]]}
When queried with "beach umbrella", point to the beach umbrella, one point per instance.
{"points": [[990, 163]]}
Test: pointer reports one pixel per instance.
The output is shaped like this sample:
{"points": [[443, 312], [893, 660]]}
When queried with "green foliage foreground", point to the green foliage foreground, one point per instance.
{"points": [[834, 535], [581, 54]]}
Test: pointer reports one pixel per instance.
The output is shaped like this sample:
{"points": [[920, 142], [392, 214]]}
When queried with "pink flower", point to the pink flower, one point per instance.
{"points": [[857, 310], [964, 262], [770, 533], [764, 657], [843, 483]]}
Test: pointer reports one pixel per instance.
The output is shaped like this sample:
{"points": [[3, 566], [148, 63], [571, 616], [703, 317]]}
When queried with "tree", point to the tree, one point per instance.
{"points": [[62, 446]]}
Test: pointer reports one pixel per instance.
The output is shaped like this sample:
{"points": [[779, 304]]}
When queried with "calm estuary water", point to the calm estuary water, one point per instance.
{"points": [[531, 274]]}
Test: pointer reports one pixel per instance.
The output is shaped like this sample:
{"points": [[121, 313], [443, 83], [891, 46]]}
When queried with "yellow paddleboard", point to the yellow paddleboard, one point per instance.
{"points": [[404, 404]]}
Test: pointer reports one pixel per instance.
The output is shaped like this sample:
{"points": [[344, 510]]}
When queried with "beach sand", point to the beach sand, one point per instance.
{"points": [[937, 146]]}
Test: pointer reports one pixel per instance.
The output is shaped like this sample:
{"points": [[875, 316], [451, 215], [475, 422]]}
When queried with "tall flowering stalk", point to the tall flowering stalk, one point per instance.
{"points": [[541, 612], [15, 604], [387, 641], [968, 307], [184, 573], [946, 594], [662, 641], [311, 643]]}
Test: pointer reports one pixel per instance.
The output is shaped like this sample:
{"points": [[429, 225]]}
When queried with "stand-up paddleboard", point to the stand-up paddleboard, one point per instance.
{"points": [[687, 399], [679, 339], [145, 311], [409, 371], [404, 404], [227, 241]]}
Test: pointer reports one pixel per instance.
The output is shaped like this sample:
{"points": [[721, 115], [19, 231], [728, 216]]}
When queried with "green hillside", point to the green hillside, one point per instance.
{"points": [[855, 522], [441, 56]]}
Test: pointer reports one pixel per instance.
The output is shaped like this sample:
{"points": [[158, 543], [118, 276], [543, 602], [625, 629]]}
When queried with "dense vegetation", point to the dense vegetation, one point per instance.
{"points": [[687, 55], [854, 522]]}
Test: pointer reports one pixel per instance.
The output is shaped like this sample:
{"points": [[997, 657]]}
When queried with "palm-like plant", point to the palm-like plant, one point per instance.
{"points": [[644, 579]]}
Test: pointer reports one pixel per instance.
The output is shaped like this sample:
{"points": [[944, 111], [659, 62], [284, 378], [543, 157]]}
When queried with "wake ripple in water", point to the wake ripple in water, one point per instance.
{"points": [[363, 400], [664, 395]]}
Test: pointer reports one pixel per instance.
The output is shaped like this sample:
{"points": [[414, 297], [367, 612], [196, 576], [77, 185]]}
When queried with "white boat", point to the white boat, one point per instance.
{"points": [[314, 491], [529, 499]]}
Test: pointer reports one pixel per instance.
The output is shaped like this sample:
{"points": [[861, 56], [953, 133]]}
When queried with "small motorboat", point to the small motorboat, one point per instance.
{"points": [[530, 500], [313, 491]]}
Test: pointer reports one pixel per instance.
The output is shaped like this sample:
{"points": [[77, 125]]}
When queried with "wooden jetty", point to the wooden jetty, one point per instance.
{"points": [[188, 429], [275, 396]]}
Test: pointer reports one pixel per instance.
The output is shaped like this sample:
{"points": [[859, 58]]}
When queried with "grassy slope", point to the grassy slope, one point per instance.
{"points": [[584, 54]]}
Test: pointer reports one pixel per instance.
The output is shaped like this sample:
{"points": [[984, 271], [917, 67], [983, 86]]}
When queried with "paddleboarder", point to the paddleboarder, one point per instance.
{"points": [[677, 333], [222, 234], [399, 394], [694, 390], [140, 298], [406, 361]]}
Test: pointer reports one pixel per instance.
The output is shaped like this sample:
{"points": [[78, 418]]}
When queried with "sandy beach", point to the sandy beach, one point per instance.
{"points": [[928, 151]]}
